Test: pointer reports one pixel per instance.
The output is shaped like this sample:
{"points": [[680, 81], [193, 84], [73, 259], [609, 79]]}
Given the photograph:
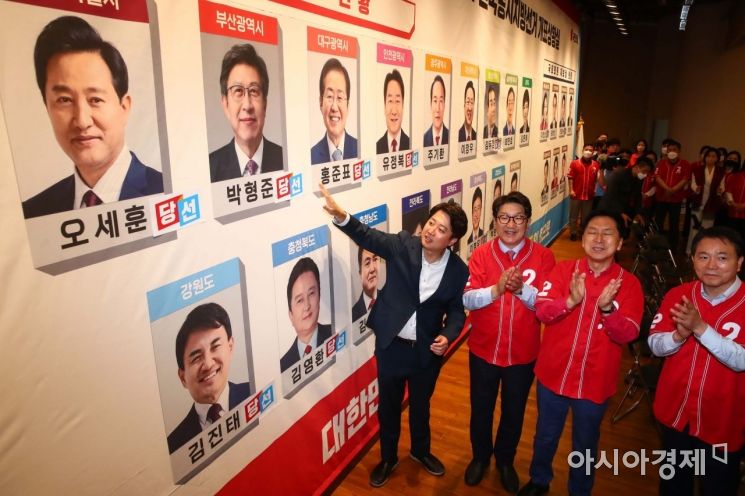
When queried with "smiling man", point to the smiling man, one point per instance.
{"points": [[466, 131], [334, 89], [490, 129], [204, 351], [437, 134], [699, 399], [505, 335], [244, 86], [369, 269], [394, 139], [85, 87], [590, 307], [509, 126], [416, 316], [304, 305]]}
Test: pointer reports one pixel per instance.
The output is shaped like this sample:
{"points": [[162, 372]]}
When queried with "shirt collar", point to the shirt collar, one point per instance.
{"points": [[391, 137], [243, 158], [504, 248], [443, 259], [715, 300], [333, 147], [313, 342], [109, 187], [203, 408]]}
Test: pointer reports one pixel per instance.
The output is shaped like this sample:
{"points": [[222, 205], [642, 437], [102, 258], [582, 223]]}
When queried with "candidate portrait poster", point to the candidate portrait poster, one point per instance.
{"points": [[333, 107], [509, 104], [570, 112], [546, 175], [564, 170], [544, 125], [244, 108], [367, 274], [490, 132], [85, 168], [203, 357], [474, 207], [514, 175], [525, 99], [495, 189], [303, 293], [393, 149], [563, 119], [466, 86], [415, 212], [555, 173], [436, 110], [452, 192], [554, 126]]}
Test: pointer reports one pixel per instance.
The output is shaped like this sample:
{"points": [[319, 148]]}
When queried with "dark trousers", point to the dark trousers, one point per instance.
{"points": [[485, 380], [552, 413], [672, 212], [720, 479], [398, 365], [578, 210]]}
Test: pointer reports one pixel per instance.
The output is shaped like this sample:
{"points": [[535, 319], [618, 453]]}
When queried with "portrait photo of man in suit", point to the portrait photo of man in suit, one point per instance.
{"points": [[563, 120], [334, 89], [544, 112], [244, 86], [394, 139], [84, 85], [437, 134], [525, 128], [204, 351], [304, 305], [490, 129], [515, 182], [369, 269], [570, 121], [466, 131], [553, 112], [509, 125], [477, 203]]}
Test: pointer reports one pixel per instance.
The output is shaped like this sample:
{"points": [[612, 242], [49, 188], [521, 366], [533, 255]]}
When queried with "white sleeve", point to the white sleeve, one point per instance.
{"points": [[725, 350], [663, 344], [477, 298], [342, 223], [528, 296]]}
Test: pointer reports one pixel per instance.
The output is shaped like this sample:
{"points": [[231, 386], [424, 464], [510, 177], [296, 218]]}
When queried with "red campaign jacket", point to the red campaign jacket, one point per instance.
{"points": [[672, 174], [583, 179], [580, 354], [506, 332], [694, 388], [714, 202], [735, 185]]}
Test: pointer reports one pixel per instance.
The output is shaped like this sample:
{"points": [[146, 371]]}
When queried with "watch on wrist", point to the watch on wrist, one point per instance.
{"points": [[607, 312]]}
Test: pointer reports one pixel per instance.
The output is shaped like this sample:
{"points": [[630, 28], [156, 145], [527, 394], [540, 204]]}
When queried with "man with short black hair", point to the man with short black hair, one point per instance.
{"points": [[84, 85], [437, 134], [204, 351], [334, 94], [394, 139], [466, 131], [699, 398], [416, 316], [505, 335], [672, 175], [623, 193], [368, 266], [590, 308]]}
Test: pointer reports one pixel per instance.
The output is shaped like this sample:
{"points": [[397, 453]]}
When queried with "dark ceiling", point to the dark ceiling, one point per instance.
{"points": [[634, 12]]}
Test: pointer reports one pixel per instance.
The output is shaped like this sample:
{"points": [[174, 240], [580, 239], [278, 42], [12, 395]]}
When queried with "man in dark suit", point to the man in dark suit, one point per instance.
{"points": [[204, 351], [553, 112], [394, 139], [466, 131], [417, 315], [369, 267], [562, 122], [304, 304], [335, 90], [477, 203], [437, 134], [244, 87], [84, 84], [509, 126], [490, 129]]}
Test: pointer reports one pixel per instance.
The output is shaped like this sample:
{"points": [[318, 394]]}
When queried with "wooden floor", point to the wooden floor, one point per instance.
{"points": [[450, 436]]}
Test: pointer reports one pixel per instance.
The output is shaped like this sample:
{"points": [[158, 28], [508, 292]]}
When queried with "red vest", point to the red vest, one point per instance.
{"points": [[672, 174], [583, 178]]}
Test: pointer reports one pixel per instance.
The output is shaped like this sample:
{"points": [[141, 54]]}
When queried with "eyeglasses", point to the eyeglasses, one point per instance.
{"points": [[339, 99], [238, 92], [505, 219]]}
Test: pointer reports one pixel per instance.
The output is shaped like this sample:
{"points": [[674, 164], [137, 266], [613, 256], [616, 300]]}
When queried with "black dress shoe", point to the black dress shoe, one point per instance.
{"points": [[475, 472], [430, 462], [532, 489], [508, 476], [381, 472]]}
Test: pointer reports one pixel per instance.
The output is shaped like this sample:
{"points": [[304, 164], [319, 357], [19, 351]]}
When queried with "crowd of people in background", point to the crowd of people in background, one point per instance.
{"points": [[645, 187]]}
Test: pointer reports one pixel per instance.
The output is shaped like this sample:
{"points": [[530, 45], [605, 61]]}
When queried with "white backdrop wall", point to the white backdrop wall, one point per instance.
{"points": [[82, 409]]}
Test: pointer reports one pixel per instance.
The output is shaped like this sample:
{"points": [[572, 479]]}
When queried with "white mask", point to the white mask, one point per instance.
{"points": [[672, 155], [641, 176], [587, 154]]}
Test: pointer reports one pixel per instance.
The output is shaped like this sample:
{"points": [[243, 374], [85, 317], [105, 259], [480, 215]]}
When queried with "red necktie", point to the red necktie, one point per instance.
{"points": [[91, 199], [372, 302], [512, 254], [214, 413], [308, 349], [393, 145], [437, 140]]}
